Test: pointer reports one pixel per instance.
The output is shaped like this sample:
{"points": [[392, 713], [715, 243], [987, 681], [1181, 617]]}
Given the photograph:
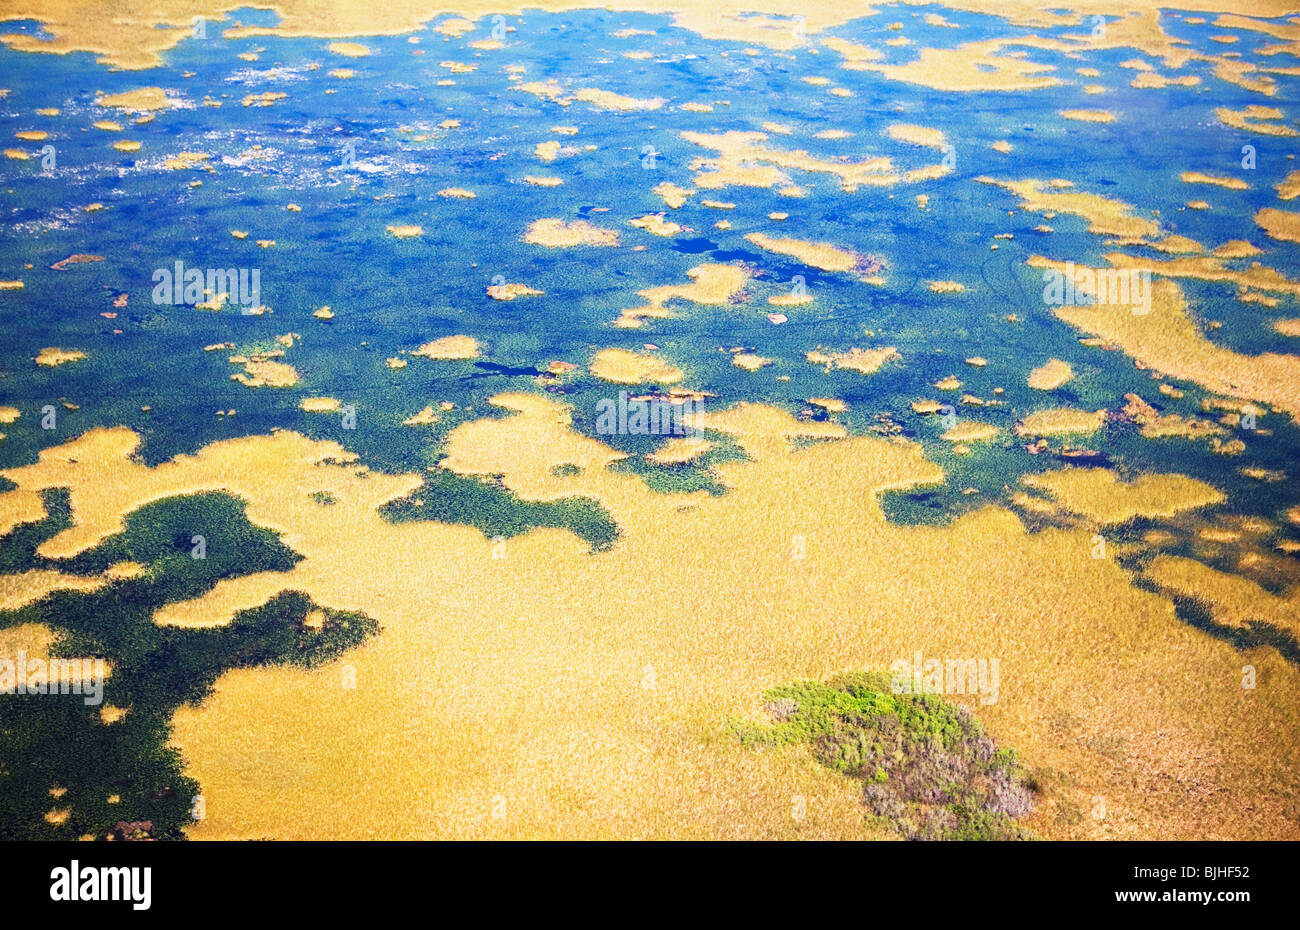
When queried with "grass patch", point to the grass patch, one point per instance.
{"points": [[926, 767], [671, 479], [447, 497]]}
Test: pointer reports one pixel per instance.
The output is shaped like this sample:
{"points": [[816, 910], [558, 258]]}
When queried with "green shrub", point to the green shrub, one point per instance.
{"points": [[925, 765]]}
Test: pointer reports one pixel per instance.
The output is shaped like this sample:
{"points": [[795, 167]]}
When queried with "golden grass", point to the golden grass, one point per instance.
{"points": [[671, 194], [970, 431], [607, 100], [1059, 421], [264, 99], [319, 404], [186, 160], [25, 588], [821, 255], [1155, 425], [614, 707], [1212, 268], [863, 361], [1167, 340], [975, 66], [140, 100], [51, 356], [618, 707], [622, 366], [349, 49], [1099, 494], [557, 234], [1279, 224], [1050, 375], [547, 151], [1150, 80], [426, 417], [829, 404], [749, 361], [656, 224], [1255, 118], [1088, 116], [1233, 600], [511, 291], [264, 372], [124, 570], [36, 639], [1236, 248], [450, 347], [137, 37], [1105, 216], [711, 284], [1289, 187], [917, 135], [742, 160], [1198, 177]]}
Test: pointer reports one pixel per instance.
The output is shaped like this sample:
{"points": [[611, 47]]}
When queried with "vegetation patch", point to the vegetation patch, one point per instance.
{"points": [[926, 767], [110, 766], [450, 498]]}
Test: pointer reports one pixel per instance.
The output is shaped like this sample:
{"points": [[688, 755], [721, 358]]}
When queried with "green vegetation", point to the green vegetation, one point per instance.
{"points": [[447, 497], [18, 550], [685, 477], [49, 742], [672, 479], [926, 767]]}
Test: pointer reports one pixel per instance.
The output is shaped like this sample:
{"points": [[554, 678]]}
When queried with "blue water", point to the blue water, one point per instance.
{"points": [[391, 295]]}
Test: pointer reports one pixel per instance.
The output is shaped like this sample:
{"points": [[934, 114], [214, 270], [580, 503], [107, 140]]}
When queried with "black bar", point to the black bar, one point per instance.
{"points": [[301, 880]]}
